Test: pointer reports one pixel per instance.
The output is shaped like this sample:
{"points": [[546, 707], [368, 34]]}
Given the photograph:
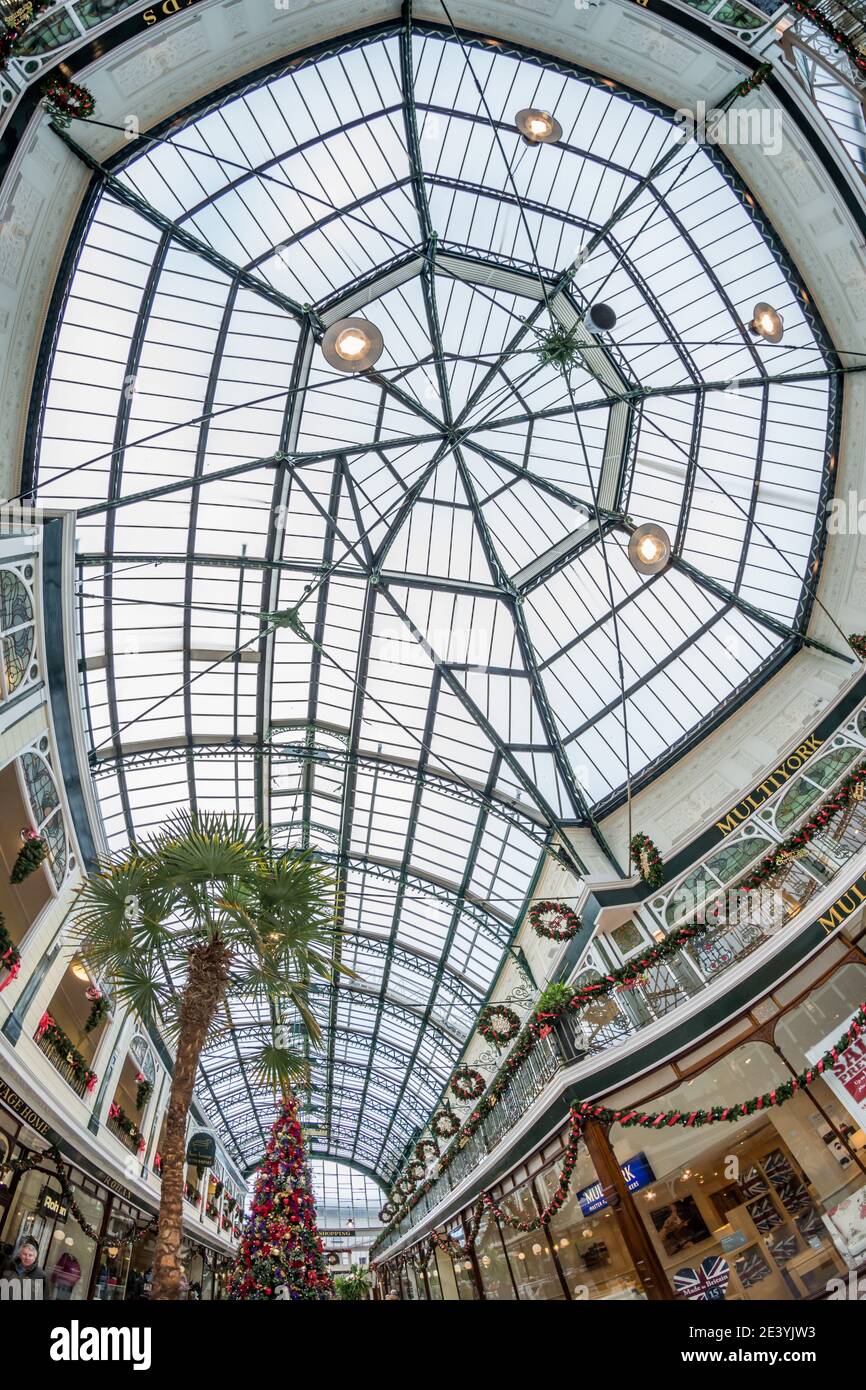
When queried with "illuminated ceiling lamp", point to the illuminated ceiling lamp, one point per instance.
{"points": [[649, 548], [79, 970], [352, 345], [599, 318], [538, 127], [767, 323]]}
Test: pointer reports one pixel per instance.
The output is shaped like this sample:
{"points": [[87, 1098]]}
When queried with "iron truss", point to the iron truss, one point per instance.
{"points": [[434, 782]]}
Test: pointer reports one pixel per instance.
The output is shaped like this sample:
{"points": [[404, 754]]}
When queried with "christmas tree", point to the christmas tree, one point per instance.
{"points": [[281, 1254]]}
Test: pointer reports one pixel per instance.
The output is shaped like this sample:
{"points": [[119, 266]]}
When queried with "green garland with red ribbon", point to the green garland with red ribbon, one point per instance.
{"points": [[839, 37], [67, 101], [555, 921], [646, 860], [10, 956], [50, 1033], [844, 794]]}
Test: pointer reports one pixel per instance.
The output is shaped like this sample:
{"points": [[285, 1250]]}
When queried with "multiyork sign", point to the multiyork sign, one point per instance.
{"points": [[770, 785], [637, 1173], [845, 904]]}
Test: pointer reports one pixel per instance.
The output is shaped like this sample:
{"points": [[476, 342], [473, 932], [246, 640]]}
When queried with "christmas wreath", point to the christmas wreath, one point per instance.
{"points": [[405, 1185], [556, 921], [30, 856], [647, 860], [445, 1124], [467, 1084], [416, 1170], [386, 1212], [425, 1147], [498, 1024], [66, 101]]}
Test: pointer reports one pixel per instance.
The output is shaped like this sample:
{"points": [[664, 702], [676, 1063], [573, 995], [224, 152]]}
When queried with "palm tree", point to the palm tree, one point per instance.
{"points": [[181, 924]]}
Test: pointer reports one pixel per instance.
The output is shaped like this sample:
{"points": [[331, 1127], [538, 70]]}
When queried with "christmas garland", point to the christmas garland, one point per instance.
{"points": [[556, 921], [66, 101], [10, 956], [844, 794], [694, 1119], [53, 1035], [129, 1127], [757, 79], [143, 1095], [569, 1162], [498, 1024], [857, 643], [839, 37], [30, 856], [98, 1011], [133, 1233], [647, 860], [467, 1084]]}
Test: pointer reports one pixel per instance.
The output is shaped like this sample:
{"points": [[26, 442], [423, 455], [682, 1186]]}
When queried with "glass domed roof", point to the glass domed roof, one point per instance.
{"points": [[445, 535]]}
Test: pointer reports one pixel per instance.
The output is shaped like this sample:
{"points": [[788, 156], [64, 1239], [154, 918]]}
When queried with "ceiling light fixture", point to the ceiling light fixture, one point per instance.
{"points": [[352, 345], [767, 323], [600, 318], [538, 127], [649, 548]]}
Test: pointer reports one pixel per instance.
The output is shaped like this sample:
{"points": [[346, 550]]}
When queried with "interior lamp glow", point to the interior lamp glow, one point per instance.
{"points": [[79, 970], [538, 127], [352, 345], [767, 323], [649, 548]]}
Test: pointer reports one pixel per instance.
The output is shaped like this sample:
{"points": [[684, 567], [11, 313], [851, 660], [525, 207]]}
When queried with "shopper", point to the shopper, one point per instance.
{"points": [[24, 1263]]}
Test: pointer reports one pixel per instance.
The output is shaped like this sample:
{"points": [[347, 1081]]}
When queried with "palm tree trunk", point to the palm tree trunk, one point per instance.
{"points": [[205, 987]]}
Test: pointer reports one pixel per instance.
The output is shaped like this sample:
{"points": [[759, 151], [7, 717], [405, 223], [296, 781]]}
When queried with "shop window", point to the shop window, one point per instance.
{"points": [[529, 1255], [128, 1108], [21, 903], [747, 1204], [66, 1254], [72, 1028], [586, 1237], [114, 1262], [434, 1284], [493, 1261], [465, 1277]]}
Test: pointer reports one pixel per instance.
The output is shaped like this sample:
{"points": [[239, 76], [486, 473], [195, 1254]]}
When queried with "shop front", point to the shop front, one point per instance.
{"points": [[767, 1203]]}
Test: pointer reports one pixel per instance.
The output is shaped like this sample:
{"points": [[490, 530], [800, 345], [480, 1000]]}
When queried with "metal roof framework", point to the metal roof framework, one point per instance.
{"points": [[450, 526]]}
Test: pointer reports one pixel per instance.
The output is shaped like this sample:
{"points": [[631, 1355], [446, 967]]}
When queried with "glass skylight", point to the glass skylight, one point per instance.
{"points": [[460, 701]]}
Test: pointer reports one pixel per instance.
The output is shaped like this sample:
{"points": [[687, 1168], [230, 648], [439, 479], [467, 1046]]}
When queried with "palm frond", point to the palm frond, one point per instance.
{"points": [[277, 1068]]}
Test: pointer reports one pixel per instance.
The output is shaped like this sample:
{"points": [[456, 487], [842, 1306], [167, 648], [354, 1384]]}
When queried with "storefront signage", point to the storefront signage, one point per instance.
{"points": [[637, 1173], [706, 1283], [22, 1109], [165, 10], [771, 784], [845, 904], [52, 1205], [201, 1150], [847, 1080]]}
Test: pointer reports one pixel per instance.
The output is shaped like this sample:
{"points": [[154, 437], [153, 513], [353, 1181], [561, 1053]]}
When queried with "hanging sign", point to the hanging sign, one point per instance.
{"points": [[51, 1204], [637, 1173], [201, 1149]]}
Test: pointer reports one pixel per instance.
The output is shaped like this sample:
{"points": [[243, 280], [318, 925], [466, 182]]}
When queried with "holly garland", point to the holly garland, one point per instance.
{"points": [[851, 789], [31, 854], [555, 921], [10, 956], [647, 860], [67, 101], [558, 1199], [467, 1084], [498, 1024], [757, 79], [694, 1119], [143, 1095], [98, 1011], [133, 1233], [857, 643], [129, 1127], [52, 1035], [826, 25]]}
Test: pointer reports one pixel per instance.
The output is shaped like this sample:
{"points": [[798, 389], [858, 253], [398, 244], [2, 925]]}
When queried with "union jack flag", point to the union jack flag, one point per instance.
{"points": [[708, 1281]]}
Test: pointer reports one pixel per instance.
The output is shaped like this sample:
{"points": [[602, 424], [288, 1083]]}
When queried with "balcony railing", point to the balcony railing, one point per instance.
{"points": [[129, 1141], [78, 1085]]}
